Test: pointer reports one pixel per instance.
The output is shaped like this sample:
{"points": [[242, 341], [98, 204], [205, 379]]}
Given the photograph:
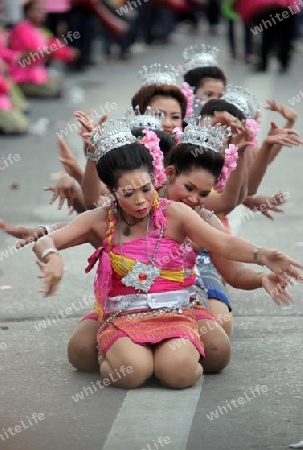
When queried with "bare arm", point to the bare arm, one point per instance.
{"points": [[69, 162], [232, 195], [264, 204], [92, 187], [289, 114], [67, 188], [188, 223], [228, 199], [29, 235], [89, 227], [241, 277], [80, 231], [282, 136], [236, 274], [258, 168]]}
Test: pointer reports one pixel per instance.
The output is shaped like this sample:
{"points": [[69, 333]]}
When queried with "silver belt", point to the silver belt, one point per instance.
{"points": [[177, 299]]}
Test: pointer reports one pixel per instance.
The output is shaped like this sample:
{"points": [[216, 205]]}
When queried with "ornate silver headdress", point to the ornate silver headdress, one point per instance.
{"points": [[243, 99], [157, 74], [200, 56], [111, 134], [151, 119], [206, 135]]}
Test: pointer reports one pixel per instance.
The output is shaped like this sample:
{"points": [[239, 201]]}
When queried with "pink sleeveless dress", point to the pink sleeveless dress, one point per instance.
{"points": [[154, 316], [189, 282]]}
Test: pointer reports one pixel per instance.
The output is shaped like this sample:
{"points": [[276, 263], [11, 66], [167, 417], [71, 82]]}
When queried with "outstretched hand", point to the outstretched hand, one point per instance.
{"points": [[276, 289], [65, 189], [285, 111], [241, 134], [282, 136], [225, 118], [88, 126], [242, 138], [27, 235], [280, 264], [264, 204], [51, 272]]}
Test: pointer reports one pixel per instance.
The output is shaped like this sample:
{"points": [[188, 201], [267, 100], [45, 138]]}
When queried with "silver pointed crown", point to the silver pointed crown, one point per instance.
{"points": [[158, 74], [150, 119], [206, 135], [243, 99], [111, 134], [200, 56]]}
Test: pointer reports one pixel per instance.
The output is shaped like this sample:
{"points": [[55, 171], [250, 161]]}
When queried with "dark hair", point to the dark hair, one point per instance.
{"points": [[195, 77], [129, 157], [166, 143], [144, 96], [186, 157], [221, 105], [27, 6]]}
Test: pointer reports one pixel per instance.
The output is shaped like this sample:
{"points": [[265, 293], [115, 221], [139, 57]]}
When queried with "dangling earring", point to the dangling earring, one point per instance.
{"points": [[155, 204]]}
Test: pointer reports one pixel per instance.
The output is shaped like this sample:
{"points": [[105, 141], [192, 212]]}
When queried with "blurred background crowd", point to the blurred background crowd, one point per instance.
{"points": [[36, 33]]}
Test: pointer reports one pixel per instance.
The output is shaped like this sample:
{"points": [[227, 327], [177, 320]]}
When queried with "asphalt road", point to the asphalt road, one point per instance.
{"points": [[253, 404]]}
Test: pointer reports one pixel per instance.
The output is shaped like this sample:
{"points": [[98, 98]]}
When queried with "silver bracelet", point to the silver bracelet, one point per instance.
{"points": [[47, 228], [47, 252], [94, 157], [209, 215], [256, 254]]}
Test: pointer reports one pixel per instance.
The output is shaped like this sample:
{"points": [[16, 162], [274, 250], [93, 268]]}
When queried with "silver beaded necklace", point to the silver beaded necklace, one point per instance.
{"points": [[146, 272]]}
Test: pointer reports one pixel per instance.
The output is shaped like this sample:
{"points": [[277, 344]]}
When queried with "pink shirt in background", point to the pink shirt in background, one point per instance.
{"points": [[26, 37], [58, 6], [5, 103]]}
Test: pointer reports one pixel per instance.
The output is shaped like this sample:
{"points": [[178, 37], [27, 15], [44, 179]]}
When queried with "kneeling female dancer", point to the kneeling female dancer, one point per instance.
{"points": [[143, 302]]}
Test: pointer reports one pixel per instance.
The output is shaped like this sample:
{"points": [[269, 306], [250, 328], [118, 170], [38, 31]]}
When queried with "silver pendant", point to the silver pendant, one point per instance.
{"points": [[127, 231], [141, 277]]}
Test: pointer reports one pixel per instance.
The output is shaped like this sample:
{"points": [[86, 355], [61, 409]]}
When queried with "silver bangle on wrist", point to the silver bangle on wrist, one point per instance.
{"points": [[94, 157], [47, 228], [209, 215], [47, 252], [256, 254]]}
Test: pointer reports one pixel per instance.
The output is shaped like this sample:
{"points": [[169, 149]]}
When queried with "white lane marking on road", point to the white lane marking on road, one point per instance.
{"points": [[149, 413]]}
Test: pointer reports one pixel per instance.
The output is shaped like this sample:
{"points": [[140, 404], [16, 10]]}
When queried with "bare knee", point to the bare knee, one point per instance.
{"points": [[83, 358], [138, 375], [81, 349], [217, 348], [180, 370], [137, 372], [226, 321]]}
